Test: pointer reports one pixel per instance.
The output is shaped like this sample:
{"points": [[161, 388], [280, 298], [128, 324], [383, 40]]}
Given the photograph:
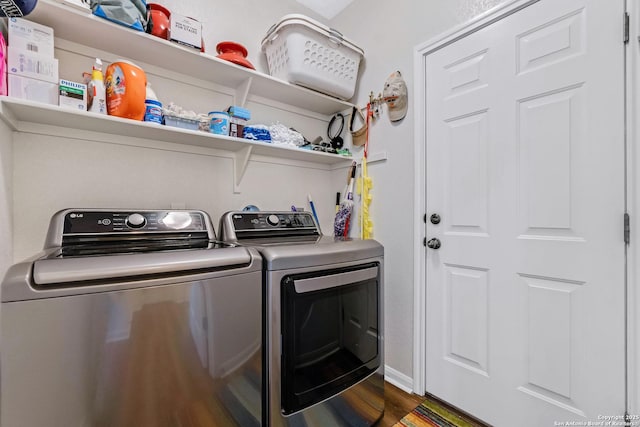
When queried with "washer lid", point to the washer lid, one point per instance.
{"points": [[48, 276], [67, 271]]}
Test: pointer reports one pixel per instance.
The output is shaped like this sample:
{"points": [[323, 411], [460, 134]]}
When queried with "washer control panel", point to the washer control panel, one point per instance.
{"points": [[104, 222]]}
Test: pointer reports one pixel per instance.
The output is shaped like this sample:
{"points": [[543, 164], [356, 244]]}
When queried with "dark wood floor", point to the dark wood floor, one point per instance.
{"points": [[399, 403]]}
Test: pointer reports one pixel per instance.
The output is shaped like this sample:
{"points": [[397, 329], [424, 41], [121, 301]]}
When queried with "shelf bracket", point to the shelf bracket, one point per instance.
{"points": [[7, 116], [240, 162], [242, 92]]}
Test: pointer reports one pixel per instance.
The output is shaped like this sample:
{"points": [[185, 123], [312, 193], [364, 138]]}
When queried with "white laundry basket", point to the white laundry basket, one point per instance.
{"points": [[302, 51]]}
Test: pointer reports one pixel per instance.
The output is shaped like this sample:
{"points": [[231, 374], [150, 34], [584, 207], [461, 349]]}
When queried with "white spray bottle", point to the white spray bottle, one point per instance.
{"points": [[97, 89]]}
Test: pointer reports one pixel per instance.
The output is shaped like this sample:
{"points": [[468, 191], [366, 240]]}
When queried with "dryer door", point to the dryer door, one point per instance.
{"points": [[330, 336]]}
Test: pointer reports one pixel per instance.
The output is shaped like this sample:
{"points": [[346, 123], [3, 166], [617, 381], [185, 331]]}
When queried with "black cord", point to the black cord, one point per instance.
{"points": [[336, 140]]}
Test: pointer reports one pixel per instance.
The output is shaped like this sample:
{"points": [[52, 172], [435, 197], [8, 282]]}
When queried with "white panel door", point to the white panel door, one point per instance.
{"points": [[525, 166]]}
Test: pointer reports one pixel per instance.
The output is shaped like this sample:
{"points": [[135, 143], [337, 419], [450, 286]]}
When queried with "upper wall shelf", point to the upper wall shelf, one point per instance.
{"points": [[86, 29]]}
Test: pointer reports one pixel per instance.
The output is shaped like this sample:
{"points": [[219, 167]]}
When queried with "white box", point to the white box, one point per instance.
{"points": [[28, 64], [305, 52], [33, 89], [32, 37], [185, 30], [73, 95], [82, 5]]}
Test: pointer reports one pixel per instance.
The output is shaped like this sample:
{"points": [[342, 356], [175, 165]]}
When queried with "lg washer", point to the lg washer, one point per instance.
{"points": [[132, 318]]}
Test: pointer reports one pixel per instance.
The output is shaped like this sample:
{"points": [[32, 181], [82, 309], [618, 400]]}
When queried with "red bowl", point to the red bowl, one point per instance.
{"points": [[233, 52], [160, 18]]}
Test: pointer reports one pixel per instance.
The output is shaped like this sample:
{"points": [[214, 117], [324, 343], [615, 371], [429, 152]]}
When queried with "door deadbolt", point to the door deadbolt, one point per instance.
{"points": [[434, 243], [435, 218]]}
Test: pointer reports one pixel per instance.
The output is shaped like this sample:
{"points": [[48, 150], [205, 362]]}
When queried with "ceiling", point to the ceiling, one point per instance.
{"points": [[326, 8]]}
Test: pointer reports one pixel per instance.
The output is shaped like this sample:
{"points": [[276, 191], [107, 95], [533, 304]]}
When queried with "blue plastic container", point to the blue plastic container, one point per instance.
{"points": [[219, 122], [153, 111]]}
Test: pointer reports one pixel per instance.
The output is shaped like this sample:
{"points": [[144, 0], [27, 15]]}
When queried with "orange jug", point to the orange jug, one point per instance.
{"points": [[126, 86]]}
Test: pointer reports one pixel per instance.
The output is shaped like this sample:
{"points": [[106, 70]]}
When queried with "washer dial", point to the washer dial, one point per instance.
{"points": [[136, 220], [273, 220]]}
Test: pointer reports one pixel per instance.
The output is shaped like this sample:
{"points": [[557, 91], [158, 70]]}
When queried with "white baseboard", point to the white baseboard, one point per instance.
{"points": [[398, 379]]}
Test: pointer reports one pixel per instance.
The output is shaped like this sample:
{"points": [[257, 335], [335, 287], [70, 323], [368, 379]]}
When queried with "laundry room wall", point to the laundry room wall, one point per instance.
{"points": [[388, 33], [6, 197], [52, 170]]}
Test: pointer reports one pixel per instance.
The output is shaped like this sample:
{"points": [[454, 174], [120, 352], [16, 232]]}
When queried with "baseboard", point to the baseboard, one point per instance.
{"points": [[398, 379]]}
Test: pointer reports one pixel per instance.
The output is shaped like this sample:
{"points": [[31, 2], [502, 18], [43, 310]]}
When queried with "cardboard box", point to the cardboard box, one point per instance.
{"points": [[73, 95], [28, 64], [32, 37], [185, 31], [33, 89], [82, 5]]}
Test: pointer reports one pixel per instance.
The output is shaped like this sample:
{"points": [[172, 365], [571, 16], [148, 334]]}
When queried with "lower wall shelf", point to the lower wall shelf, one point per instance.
{"points": [[17, 113]]}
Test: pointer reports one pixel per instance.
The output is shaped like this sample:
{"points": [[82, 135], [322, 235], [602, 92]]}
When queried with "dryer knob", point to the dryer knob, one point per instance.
{"points": [[273, 220], [136, 221]]}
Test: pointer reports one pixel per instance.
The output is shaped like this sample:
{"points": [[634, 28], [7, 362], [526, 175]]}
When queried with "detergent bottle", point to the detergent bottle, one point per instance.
{"points": [[126, 90], [97, 90]]}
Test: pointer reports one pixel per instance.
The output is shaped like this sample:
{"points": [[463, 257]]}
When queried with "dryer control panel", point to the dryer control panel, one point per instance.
{"points": [[236, 226]]}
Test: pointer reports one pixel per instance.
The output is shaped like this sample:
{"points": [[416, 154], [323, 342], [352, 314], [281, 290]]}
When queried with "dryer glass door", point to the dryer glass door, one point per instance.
{"points": [[330, 337]]}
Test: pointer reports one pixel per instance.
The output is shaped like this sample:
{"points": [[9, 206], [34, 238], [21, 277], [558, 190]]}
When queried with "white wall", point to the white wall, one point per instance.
{"points": [[6, 196], [388, 32], [53, 172]]}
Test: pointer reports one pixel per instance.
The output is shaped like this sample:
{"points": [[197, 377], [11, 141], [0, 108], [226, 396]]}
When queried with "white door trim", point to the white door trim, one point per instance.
{"points": [[419, 288], [633, 206]]}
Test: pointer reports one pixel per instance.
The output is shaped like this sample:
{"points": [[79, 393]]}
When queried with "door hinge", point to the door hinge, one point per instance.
{"points": [[627, 229], [625, 36]]}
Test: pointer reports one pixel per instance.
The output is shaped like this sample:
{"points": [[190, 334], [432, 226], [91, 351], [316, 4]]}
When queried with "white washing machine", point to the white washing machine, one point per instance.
{"points": [[323, 320]]}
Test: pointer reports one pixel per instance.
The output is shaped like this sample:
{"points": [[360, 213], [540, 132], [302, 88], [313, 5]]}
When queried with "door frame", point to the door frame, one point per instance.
{"points": [[632, 153], [633, 206]]}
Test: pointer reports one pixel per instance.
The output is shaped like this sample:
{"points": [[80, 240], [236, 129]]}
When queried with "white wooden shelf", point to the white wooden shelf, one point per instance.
{"points": [[86, 29], [17, 112]]}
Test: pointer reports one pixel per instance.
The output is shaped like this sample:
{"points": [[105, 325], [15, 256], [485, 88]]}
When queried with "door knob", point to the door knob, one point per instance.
{"points": [[434, 243]]}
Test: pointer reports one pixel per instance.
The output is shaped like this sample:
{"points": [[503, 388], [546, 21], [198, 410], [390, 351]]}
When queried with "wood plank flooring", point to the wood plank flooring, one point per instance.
{"points": [[398, 403]]}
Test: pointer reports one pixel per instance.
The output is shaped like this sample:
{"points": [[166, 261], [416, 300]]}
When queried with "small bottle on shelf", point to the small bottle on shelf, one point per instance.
{"points": [[97, 90], [153, 107]]}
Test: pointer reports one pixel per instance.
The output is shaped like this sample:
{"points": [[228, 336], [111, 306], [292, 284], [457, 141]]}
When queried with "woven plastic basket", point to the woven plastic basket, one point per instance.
{"points": [[302, 51]]}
